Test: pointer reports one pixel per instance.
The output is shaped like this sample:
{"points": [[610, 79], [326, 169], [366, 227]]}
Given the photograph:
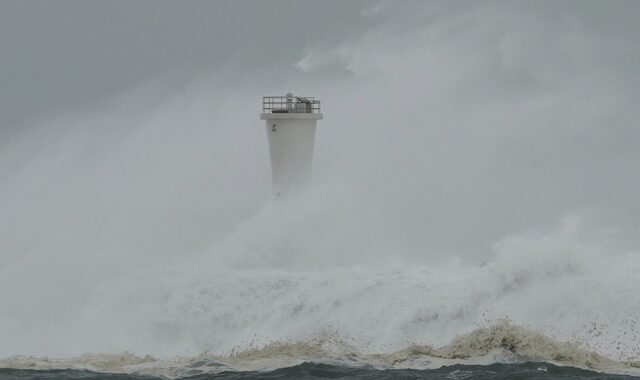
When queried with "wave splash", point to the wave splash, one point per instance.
{"points": [[501, 343], [239, 302]]}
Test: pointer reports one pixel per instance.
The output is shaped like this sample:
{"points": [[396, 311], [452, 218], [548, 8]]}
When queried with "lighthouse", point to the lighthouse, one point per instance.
{"points": [[291, 130]]}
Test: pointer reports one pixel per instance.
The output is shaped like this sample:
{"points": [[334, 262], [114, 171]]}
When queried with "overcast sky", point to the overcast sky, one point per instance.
{"points": [[66, 55], [448, 124]]}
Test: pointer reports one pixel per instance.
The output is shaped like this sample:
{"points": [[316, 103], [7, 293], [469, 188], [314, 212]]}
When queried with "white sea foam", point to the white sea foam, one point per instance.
{"points": [[502, 342], [281, 276], [147, 228], [551, 284]]}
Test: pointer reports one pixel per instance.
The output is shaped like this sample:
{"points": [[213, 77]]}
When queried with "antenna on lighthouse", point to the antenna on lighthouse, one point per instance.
{"points": [[291, 130]]}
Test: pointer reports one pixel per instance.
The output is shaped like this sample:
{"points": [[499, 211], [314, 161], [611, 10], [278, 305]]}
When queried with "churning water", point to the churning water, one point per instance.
{"points": [[479, 214], [324, 371]]}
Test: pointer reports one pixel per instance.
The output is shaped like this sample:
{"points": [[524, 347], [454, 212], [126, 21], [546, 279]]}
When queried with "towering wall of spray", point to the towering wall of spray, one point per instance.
{"points": [[291, 129]]}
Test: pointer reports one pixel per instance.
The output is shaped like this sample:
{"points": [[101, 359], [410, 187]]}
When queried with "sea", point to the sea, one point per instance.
{"points": [[529, 370], [544, 307]]}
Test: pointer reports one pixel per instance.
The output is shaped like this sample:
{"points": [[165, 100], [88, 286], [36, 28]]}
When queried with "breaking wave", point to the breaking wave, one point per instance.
{"points": [[501, 343], [547, 296]]}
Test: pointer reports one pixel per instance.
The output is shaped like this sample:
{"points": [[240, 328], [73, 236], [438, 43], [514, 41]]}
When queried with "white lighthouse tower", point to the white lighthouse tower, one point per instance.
{"points": [[291, 129]]}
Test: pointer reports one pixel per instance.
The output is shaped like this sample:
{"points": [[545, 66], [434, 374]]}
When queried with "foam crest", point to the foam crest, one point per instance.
{"points": [[503, 342], [547, 282]]}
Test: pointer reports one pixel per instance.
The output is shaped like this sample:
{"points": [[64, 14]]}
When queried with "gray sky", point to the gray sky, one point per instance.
{"points": [[448, 125], [66, 55]]}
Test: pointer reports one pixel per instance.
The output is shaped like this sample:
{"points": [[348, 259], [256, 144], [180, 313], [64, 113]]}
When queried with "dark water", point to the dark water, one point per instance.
{"points": [[324, 371]]}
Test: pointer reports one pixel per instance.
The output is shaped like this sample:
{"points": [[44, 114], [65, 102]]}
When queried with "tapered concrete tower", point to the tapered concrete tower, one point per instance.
{"points": [[291, 129]]}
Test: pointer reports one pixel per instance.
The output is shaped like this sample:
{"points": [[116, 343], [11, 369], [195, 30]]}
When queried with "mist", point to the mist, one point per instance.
{"points": [[459, 135]]}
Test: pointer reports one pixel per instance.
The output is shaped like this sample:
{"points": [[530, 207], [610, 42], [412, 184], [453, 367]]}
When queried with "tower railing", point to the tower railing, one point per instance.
{"points": [[290, 104]]}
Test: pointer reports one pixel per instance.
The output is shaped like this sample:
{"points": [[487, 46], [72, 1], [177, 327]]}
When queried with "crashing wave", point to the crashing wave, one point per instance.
{"points": [[502, 342]]}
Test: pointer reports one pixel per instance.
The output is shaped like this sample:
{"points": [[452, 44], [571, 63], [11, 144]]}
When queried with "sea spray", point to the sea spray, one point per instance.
{"points": [[503, 342]]}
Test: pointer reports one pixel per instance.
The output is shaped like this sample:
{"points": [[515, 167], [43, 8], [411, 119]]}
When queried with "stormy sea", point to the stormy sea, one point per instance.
{"points": [[402, 322], [530, 370], [472, 213]]}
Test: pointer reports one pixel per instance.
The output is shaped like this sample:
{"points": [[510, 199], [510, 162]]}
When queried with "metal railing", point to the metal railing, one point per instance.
{"points": [[290, 104]]}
